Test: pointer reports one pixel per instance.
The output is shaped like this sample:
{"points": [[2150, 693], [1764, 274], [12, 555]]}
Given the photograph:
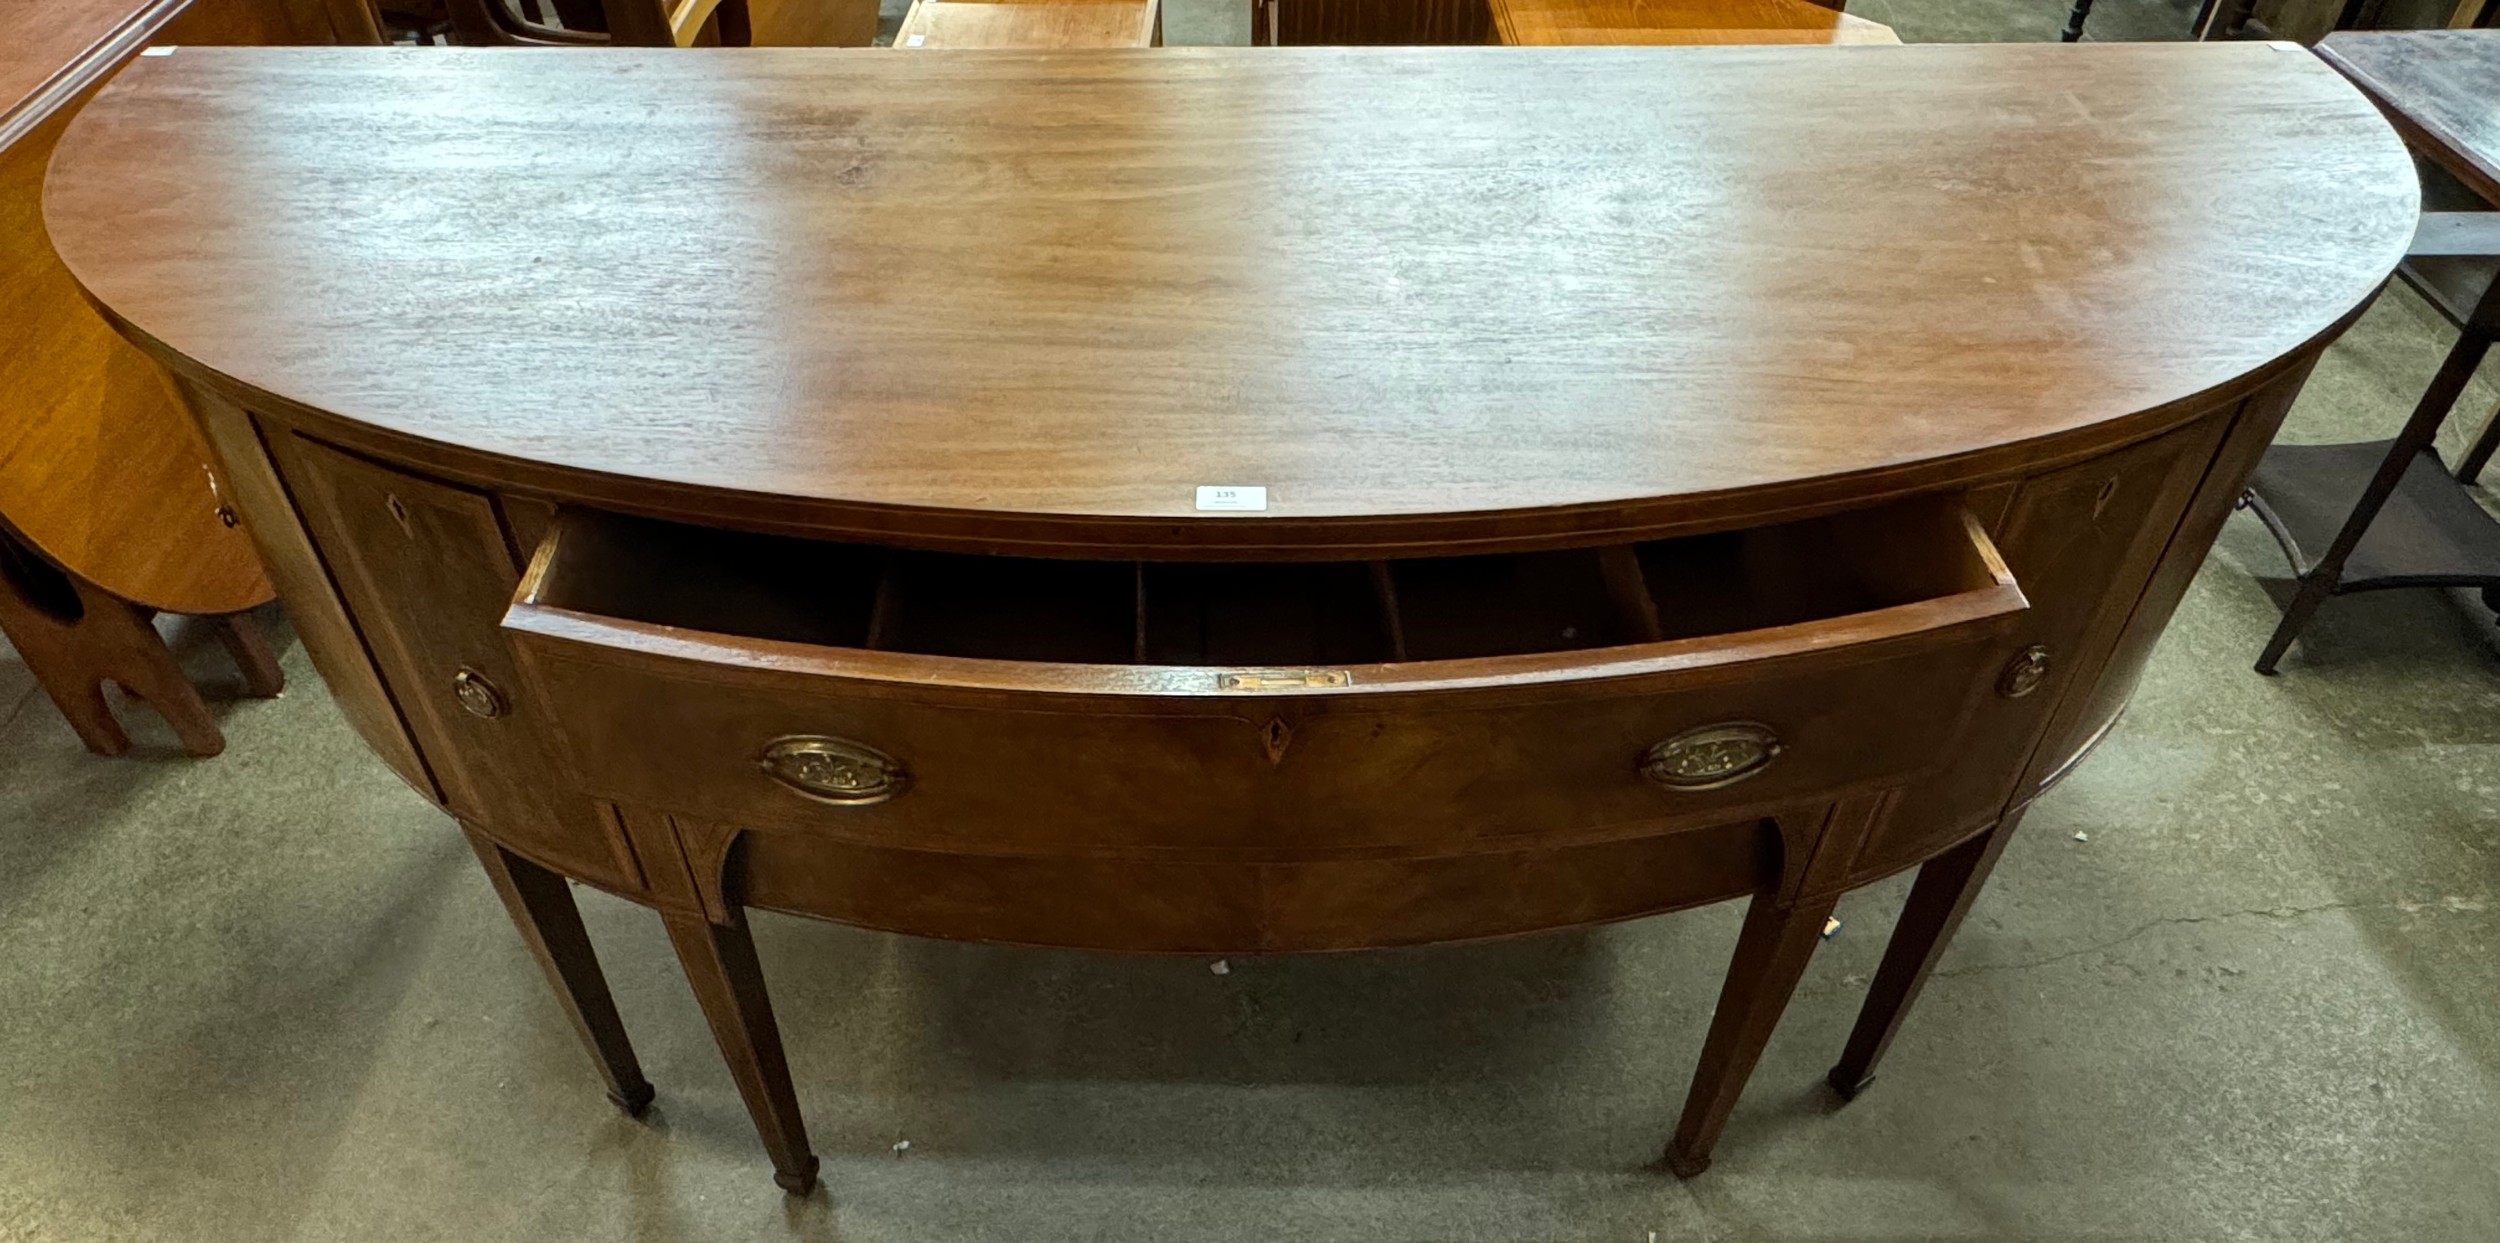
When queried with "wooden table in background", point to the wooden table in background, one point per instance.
{"points": [[2381, 514], [109, 511], [2439, 88]]}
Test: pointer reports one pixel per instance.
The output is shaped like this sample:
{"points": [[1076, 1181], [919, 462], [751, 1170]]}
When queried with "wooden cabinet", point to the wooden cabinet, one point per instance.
{"points": [[427, 564], [1648, 522]]}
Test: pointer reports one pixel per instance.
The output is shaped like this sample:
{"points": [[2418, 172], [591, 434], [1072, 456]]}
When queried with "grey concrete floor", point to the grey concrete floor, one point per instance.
{"points": [[2238, 979]]}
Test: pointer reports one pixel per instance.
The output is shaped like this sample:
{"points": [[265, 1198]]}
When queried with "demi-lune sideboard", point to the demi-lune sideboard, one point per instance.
{"points": [[1233, 500]]}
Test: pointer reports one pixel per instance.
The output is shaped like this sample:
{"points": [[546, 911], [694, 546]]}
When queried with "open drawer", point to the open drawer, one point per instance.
{"points": [[1256, 711]]}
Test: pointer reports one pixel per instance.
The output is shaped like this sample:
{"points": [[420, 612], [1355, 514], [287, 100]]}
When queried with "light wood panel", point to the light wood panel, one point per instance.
{"points": [[100, 471], [812, 23], [1029, 24], [1551, 23]]}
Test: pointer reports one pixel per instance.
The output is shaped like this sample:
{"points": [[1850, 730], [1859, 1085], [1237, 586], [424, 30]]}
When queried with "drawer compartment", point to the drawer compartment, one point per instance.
{"points": [[1256, 712]]}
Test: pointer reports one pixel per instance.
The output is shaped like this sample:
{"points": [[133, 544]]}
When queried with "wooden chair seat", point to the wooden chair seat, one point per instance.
{"points": [[1031, 24], [1550, 23]]}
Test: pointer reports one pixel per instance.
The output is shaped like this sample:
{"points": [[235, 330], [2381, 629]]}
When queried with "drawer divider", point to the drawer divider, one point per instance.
{"points": [[1621, 566], [1392, 621]]}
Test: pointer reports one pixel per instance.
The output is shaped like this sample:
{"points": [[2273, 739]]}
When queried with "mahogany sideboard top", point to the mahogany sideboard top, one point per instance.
{"points": [[1437, 296]]}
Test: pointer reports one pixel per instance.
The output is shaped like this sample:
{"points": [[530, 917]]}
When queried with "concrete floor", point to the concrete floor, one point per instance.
{"points": [[2238, 978]]}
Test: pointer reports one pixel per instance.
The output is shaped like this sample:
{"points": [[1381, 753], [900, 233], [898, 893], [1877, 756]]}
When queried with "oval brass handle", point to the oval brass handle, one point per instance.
{"points": [[834, 770], [1712, 756]]}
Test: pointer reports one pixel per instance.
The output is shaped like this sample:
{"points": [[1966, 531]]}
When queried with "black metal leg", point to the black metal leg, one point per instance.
{"points": [[2322, 577], [2074, 21], [2470, 470], [2224, 19]]}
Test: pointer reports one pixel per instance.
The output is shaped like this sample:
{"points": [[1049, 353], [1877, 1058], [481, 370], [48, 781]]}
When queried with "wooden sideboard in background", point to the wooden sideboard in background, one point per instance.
{"points": [[109, 509]]}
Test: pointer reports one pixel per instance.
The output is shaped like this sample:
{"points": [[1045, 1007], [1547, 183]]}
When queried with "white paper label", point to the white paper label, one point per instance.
{"points": [[1233, 497], [915, 40], [158, 51]]}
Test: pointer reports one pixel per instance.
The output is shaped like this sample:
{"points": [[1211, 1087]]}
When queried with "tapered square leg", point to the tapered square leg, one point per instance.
{"points": [[541, 905], [1946, 887], [1771, 953], [728, 982]]}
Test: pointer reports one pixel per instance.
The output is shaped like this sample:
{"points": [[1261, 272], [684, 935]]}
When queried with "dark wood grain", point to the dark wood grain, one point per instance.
{"points": [[1370, 22], [2437, 88], [1411, 308]]}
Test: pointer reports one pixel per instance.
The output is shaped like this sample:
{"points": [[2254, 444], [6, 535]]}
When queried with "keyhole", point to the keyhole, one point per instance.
{"points": [[2109, 488], [399, 514], [1276, 738]]}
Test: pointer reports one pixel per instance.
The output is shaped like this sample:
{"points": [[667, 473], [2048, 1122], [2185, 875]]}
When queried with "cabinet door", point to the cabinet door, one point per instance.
{"points": [[321, 621], [2082, 541], [427, 571], [2082, 717]]}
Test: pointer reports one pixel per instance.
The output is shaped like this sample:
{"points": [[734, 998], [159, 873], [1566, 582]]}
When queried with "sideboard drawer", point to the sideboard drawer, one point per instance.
{"points": [[743, 722]]}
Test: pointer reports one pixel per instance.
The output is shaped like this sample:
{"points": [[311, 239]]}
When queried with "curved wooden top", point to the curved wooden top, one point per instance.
{"points": [[100, 469], [1464, 294]]}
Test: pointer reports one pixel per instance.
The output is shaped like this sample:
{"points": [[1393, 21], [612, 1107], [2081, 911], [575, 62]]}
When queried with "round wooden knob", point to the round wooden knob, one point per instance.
{"points": [[1712, 756], [2024, 673], [834, 770], [478, 696]]}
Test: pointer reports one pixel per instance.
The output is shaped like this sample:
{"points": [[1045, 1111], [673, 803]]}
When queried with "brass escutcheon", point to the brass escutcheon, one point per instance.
{"points": [[1295, 680], [2024, 673], [1712, 756], [834, 770], [480, 697]]}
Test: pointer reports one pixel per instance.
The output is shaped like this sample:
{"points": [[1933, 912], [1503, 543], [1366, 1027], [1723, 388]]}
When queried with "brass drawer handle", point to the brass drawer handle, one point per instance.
{"points": [[1712, 756], [2025, 673], [834, 770], [479, 697]]}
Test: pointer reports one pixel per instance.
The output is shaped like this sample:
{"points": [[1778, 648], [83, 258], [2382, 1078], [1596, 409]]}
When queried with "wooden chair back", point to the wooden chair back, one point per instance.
{"points": [[594, 23]]}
